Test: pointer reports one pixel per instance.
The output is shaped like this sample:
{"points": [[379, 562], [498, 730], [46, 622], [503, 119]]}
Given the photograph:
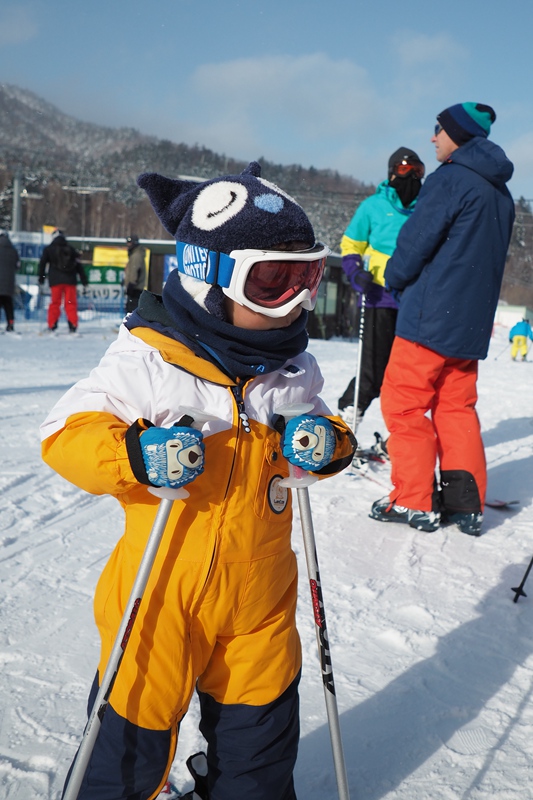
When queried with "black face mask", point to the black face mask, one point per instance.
{"points": [[407, 187]]}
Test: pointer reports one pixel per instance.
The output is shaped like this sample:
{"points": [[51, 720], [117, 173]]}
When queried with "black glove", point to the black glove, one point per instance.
{"points": [[41, 280]]}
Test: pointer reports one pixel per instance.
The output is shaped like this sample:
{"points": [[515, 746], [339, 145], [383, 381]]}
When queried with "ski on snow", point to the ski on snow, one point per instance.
{"points": [[169, 792], [376, 454], [365, 459], [197, 766]]}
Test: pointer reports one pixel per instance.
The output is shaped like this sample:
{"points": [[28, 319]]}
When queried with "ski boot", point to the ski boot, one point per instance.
{"points": [[197, 765]]}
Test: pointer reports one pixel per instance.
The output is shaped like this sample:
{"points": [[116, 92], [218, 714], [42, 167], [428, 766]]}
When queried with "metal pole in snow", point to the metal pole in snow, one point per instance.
{"points": [[102, 698], [300, 479], [168, 496], [357, 385]]}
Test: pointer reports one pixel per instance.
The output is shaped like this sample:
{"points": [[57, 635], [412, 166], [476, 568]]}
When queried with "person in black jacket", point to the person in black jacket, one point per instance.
{"points": [[64, 268], [9, 264], [447, 269], [134, 273]]}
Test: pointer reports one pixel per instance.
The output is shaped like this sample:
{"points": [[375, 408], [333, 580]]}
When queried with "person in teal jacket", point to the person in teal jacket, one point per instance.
{"points": [[367, 244], [518, 336]]}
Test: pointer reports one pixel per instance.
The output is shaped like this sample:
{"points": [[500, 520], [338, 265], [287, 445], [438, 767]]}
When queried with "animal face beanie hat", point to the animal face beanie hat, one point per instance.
{"points": [[465, 120], [234, 212]]}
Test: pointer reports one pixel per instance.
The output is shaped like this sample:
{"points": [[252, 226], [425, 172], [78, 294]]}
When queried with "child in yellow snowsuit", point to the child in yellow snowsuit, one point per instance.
{"points": [[227, 337], [518, 336]]}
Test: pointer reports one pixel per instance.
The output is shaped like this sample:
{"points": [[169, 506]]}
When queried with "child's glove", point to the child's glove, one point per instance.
{"points": [[172, 456], [308, 442]]}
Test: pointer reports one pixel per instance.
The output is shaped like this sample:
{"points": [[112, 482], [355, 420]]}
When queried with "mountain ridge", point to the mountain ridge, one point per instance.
{"points": [[57, 127], [51, 149]]}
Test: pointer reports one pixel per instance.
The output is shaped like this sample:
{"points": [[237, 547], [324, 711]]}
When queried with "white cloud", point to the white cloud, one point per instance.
{"points": [[313, 109], [309, 110], [520, 151], [17, 25], [277, 103], [417, 49], [306, 84]]}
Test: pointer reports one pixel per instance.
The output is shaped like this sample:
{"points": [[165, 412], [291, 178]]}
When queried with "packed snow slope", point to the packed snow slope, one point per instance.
{"points": [[433, 661]]}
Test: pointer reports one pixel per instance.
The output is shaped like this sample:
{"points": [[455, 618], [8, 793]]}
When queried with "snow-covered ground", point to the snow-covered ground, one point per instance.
{"points": [[433, 661]]}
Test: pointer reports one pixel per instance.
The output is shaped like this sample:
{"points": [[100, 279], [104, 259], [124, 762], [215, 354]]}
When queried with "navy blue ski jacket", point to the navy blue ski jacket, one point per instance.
{"points": [[450, 255]]}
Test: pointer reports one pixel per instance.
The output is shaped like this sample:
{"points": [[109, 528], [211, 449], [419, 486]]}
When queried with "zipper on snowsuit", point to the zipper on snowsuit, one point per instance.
{"points": [[236, 391], [244, 421]]}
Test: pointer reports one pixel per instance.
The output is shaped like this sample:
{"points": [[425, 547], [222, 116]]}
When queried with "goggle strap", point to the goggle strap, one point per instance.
{"points": [[205, 265]]}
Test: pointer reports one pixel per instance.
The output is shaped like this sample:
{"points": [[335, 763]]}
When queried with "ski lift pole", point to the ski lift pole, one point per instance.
{"points": [[300, 480], [92, 728]]}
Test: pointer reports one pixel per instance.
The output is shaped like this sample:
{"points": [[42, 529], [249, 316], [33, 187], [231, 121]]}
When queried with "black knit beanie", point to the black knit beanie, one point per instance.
{"points": [[402, 154]]}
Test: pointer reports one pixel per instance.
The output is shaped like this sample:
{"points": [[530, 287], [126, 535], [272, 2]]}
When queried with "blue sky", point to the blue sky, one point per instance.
{"points": [[338, 84]]}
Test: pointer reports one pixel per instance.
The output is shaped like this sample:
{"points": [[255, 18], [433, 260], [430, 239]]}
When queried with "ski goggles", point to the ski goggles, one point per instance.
{"points": [[271, 282], [408, 167]]}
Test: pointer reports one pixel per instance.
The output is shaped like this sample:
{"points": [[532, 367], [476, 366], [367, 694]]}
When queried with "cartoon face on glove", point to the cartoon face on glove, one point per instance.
{"points": [[182, 455], [308, 442], [311, 440], [173, 456]]}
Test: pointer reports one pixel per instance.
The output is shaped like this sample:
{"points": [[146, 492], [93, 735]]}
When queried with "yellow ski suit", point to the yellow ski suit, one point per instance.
{"points": [[219, 608]]}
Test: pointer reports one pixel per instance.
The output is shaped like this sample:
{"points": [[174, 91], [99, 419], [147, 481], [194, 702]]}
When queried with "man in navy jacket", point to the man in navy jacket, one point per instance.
{"points": [[447, 269]]}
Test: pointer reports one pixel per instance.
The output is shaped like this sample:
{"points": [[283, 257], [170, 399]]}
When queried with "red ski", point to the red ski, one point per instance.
{"points": [[501, 503]]}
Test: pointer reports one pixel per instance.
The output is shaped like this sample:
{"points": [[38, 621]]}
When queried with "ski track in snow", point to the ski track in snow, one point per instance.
{"points": [[433, 662]]}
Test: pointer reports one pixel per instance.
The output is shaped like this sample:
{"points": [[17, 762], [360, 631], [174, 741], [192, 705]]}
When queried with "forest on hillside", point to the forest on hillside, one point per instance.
{"points": [[82, 178]]}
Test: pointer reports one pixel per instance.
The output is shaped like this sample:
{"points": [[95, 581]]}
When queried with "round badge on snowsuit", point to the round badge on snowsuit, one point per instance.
{"points": [[277, 495]]}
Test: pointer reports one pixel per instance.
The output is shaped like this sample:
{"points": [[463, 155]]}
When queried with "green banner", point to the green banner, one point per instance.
{"points": [[29, 266], [104, 276], [108, 277]]}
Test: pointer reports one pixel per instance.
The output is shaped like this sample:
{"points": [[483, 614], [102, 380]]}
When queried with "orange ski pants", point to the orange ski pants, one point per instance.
{"points": [[428, 404]]}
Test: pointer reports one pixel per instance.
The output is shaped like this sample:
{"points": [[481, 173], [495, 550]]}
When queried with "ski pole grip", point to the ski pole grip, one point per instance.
{"points": [[193, 418], [298, 477]]}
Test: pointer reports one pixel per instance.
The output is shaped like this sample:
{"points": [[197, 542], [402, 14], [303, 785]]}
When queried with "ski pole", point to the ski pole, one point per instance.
{"points": [[519, 590], [502, 352], [168, 496], [300, 480], [357, 384]]}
